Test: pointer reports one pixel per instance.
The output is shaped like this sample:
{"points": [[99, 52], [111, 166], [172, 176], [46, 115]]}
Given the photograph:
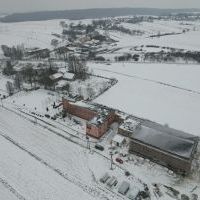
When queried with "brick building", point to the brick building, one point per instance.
{"points": [[98, 118], [172, 150]]}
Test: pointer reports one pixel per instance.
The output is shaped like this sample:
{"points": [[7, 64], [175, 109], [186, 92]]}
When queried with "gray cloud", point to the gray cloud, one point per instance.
{"points": [[36, 5]]}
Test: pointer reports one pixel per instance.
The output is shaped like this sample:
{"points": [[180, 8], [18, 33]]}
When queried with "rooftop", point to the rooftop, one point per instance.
{"points": [[61, 83], [130, 125], [102, 112], [118, 139], [68, 75], [171, 143], [56, 76]]}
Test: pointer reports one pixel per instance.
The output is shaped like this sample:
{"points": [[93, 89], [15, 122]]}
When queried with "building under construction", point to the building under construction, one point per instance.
{"points": [[98, 118], [168, 147]]}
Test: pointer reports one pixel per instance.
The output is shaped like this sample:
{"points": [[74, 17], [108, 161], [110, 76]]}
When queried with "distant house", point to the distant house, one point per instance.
{"points": [[39, 53], [98, 118], [128, 127], [56, 77], [84, 39], [62, 50], [68, 76], [61, 84]]}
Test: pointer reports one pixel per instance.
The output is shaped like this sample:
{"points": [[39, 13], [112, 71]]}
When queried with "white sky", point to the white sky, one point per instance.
{"points": [[36, 5]]}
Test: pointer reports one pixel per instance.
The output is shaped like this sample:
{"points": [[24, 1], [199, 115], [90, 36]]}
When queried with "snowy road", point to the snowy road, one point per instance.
{"points": [[41, 165]]}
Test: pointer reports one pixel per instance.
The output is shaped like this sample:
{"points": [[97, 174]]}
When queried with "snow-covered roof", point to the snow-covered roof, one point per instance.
{"points": [[118, 139], [61, 83], [56, 76], [68, 75], [123, 187], [62, 70], [130, 125], [165, 141], [102, 112]]}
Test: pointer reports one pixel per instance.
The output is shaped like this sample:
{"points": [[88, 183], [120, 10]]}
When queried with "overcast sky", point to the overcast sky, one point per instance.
{"points": [[36, 5]]}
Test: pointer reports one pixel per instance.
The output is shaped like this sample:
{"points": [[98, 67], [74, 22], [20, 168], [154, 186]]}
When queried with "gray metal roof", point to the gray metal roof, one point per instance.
{"points": [[124, 187], [172, 143]]}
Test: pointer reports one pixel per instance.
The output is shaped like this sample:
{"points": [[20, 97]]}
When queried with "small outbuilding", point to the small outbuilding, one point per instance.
{"points": [[118, 140], [69, 76], [124, 188], [56, 77], [61, 84], [129, 127]]}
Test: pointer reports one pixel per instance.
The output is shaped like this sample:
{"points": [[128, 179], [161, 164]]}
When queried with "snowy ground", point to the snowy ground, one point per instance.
{"points": [[187, 41], [168, 94], [36, 101], [31, 34]]}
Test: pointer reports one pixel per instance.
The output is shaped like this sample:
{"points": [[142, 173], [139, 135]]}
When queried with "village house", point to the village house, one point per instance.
{"points": [[61, 84], [39, 53], [68, 76], [56, 77], [128, 127], [98, 118]]}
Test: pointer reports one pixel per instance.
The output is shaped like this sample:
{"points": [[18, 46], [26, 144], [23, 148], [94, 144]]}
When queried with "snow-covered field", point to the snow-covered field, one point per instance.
{"points": [[168, 94], [31, 34], [39, 34], [187, 41]]}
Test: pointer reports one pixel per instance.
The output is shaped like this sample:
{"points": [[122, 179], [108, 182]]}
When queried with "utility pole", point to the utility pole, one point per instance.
{"points": [[111, 160], [88, 142], [35, 120], [1, 102]]}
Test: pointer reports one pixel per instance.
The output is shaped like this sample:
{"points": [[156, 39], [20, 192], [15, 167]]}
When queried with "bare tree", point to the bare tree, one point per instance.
{"points": [[18, 82], [10, 88]]}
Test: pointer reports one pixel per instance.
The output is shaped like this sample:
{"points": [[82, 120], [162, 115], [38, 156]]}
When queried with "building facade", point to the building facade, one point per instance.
{"points": [[98, 120], [172, 150], [175, 163]]}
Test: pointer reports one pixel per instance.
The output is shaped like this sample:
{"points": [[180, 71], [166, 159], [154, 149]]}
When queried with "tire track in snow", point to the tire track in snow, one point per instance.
{"points": [[96, 191], [67, 137], [77, 143], [11, 189], [151, 80]]}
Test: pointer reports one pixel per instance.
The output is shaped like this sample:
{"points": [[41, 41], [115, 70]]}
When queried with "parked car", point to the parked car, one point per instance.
{"points": [[47, 116], [53, 118], [119, 160], [99, 147]]}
